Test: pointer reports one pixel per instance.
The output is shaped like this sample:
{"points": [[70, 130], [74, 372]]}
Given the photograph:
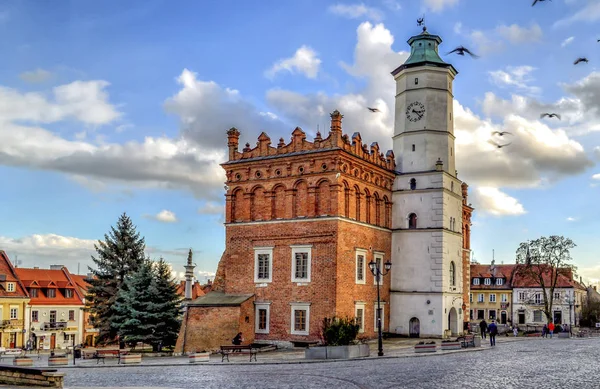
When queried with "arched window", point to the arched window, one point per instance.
{"points": [[452, 274], [412, 221], [413, 184]]}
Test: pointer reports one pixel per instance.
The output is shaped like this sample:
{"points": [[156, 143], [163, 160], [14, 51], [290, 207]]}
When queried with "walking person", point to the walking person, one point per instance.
{"points": [[483, 327], [551, 328], [516, 330], [545, 331], [493, 328]]}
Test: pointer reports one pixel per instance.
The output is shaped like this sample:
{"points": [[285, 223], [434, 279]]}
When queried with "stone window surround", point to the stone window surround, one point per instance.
{"points": [[357, 306], [297, 307], [263, 250], [378, 255], [14, 312], [492, 297], [262, 305], [306, 248], [362, 252]]}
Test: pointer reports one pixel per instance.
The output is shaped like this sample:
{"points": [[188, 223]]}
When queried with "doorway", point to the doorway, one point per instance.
{"points": [[414, 328], [557, 317], [453, 321], [503, 317], [521, 317], [52, 341], [13, 340]]}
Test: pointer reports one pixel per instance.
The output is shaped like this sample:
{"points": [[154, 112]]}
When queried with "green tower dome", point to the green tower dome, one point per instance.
{"points": [[424, 52]]}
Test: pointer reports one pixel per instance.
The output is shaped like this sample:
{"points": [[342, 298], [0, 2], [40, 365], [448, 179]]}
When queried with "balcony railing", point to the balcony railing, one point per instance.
{"points": [[58, 325]]}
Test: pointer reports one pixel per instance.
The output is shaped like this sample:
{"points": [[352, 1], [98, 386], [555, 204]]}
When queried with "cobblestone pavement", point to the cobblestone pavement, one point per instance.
{"points": [[532, 363]]}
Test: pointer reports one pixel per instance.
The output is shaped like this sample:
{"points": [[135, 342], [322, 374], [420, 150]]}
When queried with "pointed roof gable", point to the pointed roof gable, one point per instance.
{"points": [[8, 270]]}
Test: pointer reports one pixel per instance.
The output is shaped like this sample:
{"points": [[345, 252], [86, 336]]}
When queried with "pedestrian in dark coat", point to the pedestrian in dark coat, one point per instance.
{"points": [[483, 326], [493, 328]]}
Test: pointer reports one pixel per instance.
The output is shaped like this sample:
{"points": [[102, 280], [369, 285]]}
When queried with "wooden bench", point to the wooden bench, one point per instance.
{"points": [[247, 349], [101, 355], [466, 341], [304, 343]]}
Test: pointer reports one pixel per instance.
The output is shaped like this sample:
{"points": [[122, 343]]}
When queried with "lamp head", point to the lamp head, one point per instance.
{"points": [[372, 266], [388, 265]]}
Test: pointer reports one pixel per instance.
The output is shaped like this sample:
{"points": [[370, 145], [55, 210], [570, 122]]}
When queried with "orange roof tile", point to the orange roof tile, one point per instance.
{"points": [[563, 281], [8, 270], [486, 271], [196, 289], [59, 280]]}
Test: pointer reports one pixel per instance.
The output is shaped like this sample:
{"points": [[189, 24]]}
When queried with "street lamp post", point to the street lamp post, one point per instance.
{"points": [[374, 267], [571, 301]]}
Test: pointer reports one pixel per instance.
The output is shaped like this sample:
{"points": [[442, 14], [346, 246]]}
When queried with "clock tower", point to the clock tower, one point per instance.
{"points": [[426, 284]]}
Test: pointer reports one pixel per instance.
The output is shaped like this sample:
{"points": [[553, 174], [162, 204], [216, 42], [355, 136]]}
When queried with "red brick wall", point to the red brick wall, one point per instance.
{"points": [[208, 328]]}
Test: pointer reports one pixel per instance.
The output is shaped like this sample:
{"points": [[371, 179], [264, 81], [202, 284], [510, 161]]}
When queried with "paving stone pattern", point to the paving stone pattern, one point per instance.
{"points": [[533, 363]]}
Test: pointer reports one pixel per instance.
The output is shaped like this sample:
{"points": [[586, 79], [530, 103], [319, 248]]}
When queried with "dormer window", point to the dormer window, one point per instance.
{"points": [[33, 292], [68, 293], [487, 281], [475, 281], [10, 286], [499, 281], [51, 293]]}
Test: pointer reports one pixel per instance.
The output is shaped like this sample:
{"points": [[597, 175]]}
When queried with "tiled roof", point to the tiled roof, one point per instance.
{"points": [[196, 290], [7, 269], [486, 271], [51, 279], [563, 281]]}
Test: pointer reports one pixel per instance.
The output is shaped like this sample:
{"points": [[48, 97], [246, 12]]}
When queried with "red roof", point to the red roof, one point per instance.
{"points": [[196, 290], [563, 280], [81, 282], [7, 269], [59, 280], [486, 271]]}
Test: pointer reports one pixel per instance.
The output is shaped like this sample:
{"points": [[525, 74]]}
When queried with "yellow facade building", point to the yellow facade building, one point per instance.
{"points": [[491, 293], [14, 301]]}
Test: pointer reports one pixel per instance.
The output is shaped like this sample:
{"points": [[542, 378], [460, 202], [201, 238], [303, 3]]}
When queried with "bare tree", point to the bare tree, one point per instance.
{"points": [[542, 261]]}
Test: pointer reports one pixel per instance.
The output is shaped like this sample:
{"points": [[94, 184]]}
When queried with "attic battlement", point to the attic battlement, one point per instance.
{"points": [[298, 144]]}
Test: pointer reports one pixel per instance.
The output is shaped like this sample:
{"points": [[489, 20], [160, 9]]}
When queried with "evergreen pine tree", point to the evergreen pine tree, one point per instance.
{"points": [[135, 310], [119, 255], [168, 306]]}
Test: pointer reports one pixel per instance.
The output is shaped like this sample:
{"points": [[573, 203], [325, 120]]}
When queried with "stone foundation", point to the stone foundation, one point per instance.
{"points": [[27, 376]]}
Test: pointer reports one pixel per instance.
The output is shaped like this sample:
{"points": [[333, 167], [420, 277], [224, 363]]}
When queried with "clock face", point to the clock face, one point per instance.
{"points": [[415, 111]]}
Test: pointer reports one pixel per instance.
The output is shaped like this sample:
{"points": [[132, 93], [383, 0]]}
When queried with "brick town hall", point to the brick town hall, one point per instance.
{"points": [[304, 219]]}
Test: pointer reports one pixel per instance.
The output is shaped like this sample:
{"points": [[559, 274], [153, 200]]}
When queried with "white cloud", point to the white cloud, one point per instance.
{"points": [[567, 41], [164, 216], [440, 5], [212, 208], [490, 200], [596, 177], [304, 61], [36, 76], [571, 219], [589, 13], [355, 11], [515, 76], [517, 34]]}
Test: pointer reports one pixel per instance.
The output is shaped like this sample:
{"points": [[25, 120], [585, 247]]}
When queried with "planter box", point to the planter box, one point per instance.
{"points": [[451, 346], [425, 348], [199, 357], [564, 335], [22, 361], [130, 359], [338, 352], [58, 361], [477, 340]]}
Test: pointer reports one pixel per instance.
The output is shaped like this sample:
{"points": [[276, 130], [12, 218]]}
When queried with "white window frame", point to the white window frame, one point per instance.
{"points": [[300, 307], [492, 297], [541, 314], [480, 298], [364, 266], [537, 298], [258, 306], [378, 255], [475, 281], [487, 281], [499, 281], [362, 306], [306, 248], [263, 250], [503, 298], [521, 296], [10, 286], [382, 317], [14, 313]]}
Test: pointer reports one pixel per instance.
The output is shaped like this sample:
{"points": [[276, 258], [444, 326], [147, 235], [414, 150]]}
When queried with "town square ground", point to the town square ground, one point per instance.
{"points": [[513, 363]]}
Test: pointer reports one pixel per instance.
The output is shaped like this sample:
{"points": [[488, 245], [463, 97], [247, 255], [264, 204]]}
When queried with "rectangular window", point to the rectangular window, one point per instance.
{"points": [[537, 316], [10, 286], [416, 81], [492, 298], [52, 316], [470, 314], [521, 296], [360, 266], [68, 293], [263, 264], [34, 316], [382, 317], [503, 298], [480, 298], [71, 315], [487, 281], [475, 281], [14, 313], [300, 319], [379, 261], [492, 314], [51, 293], [470, 297], [413, 148], [480, 314], [556, 295], [33, 292], [499, 281], [359, 314], [537, 298], [301, 263], [262, 314]]}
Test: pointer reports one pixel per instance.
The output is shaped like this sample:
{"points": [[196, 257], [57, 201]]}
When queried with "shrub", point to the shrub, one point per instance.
{"points": [[339, 331]]}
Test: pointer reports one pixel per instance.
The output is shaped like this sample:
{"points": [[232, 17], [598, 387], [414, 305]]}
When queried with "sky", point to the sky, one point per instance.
{"points": [[111, 107]]}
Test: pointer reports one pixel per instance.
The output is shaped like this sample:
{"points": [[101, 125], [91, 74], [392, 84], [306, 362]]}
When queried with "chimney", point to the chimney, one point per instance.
{"points": [[336, 122], [233, 138], [189, 276]]}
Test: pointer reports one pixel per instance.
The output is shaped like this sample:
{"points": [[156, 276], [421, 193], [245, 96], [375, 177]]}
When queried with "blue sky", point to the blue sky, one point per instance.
{"points": [[116, 106]]}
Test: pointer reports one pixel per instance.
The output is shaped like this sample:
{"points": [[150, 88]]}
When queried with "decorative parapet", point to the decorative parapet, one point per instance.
{"points": [[298, 144]]}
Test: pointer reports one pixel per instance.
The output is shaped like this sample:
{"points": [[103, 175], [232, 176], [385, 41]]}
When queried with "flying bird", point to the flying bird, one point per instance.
{"points": [[535, 1], [460, 50], [373, 109], [550, 115], [582, 59], [498, 145], [501, 133], [420, 21]]}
